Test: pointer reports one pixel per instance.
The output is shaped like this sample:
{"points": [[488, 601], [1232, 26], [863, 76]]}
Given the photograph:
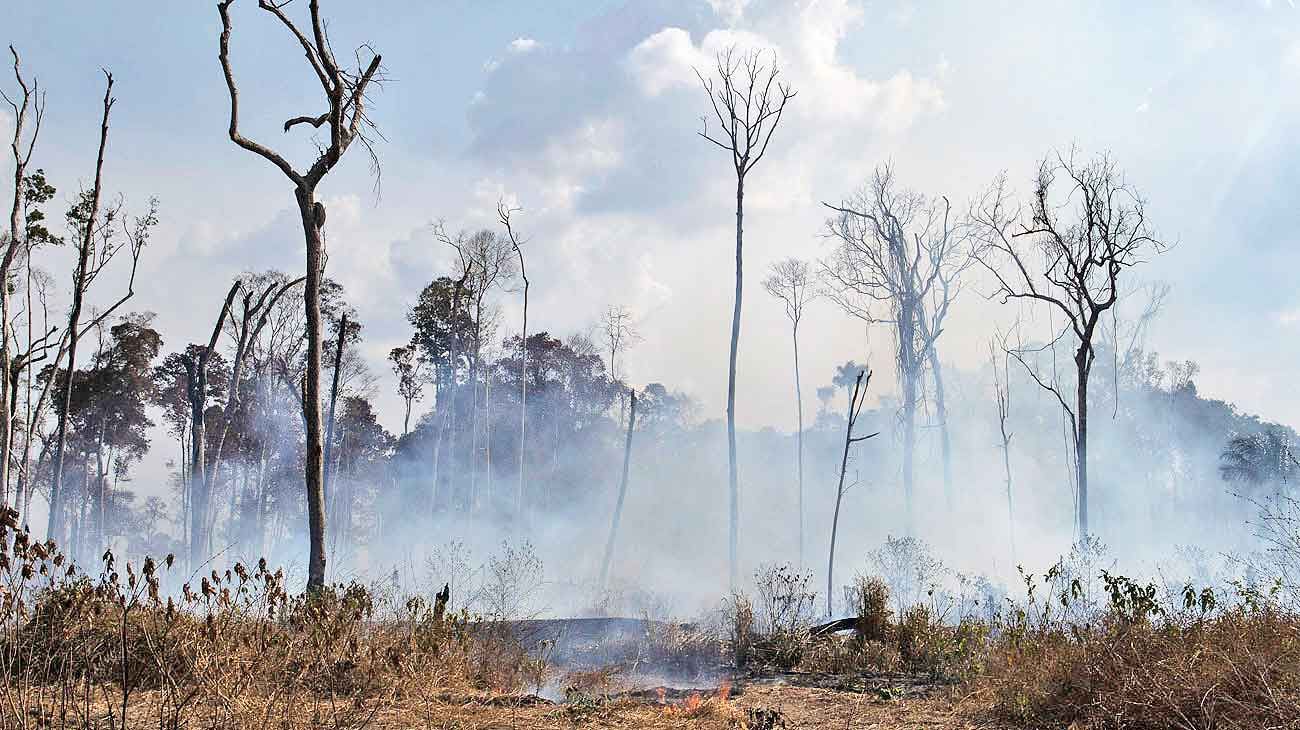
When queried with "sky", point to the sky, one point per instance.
{"points": [[585, 115]]}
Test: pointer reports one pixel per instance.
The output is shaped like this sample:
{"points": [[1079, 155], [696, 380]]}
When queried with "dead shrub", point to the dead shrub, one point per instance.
{"points": [[1231, 668], [869, 597]]}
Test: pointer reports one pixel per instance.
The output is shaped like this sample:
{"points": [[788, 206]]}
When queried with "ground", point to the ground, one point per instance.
{"points": [[804, 705]]}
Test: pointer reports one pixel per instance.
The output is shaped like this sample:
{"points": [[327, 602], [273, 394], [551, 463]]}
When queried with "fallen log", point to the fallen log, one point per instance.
{"points": [[832, 627]]}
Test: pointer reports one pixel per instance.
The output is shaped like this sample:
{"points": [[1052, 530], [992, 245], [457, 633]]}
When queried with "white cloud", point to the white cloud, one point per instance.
{"points": [[523, 45], [729, 11]]}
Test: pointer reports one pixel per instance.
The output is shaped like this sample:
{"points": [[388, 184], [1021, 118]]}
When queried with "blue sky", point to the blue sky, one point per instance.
{"points": [[584, 114]]}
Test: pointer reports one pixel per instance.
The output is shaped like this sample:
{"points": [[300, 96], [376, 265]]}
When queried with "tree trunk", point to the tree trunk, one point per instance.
{"points": [[622, 494], [798, 400], [314, 475], [909, 450], [733, 478], [1006, 468], [945, 440], [839, 494], [1083, 367], [74, 320], [523, 406], [329, 420], [198, 466]]}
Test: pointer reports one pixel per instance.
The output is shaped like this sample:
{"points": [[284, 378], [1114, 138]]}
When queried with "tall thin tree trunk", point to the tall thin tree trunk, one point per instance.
{"points": [[199, 487], [334, 397], [798, 401], [733, 477], [945, 440], [1083, 362], [1011, 515], [314, 474], [74, 320], [101, 490], [850, 420], [622, 494], [523, 408]]}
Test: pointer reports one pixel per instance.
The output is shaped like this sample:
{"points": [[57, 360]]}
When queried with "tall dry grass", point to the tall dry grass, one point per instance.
{"points": [[232, 648]]}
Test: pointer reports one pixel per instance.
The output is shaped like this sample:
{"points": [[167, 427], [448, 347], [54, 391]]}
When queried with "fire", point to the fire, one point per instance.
{"points": [[696, 704]]}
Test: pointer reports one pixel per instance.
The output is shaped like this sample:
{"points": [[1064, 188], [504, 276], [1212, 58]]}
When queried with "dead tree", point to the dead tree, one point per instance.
{"points": [[504, 212], [789, 281], [196, 391], [748, 101], [488, 261], [619, 331], [856, 401], [1084, 226], [98, 245], [254, 314], [1002, 397], [345, 327], [345, 118], [901, 252], [30, 100], [622, 492]]}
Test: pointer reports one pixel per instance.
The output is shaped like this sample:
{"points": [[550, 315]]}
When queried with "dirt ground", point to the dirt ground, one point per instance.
{"points": [[825, 708]]}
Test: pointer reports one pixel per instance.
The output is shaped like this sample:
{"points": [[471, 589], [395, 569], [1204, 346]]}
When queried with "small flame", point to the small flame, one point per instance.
{"points": [[662, 694], [724, 691], [692, 704]]}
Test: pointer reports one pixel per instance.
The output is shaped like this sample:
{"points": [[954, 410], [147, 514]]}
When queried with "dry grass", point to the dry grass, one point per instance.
{"points": [[1236, 669], [234, 649]]}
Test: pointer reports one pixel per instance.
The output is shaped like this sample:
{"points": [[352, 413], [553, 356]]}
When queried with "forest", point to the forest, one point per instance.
{"points": [[1067, 531]]}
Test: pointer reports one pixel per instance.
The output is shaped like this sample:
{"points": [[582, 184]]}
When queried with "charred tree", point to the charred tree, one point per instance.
{"points": [[504, 212], [30, 100], [1002, 397], [748, 101], [1085, 226], [856, 401], [346, 121], [622, 492], [788, 281], [898, 260], [196, 377], [97, 246]]}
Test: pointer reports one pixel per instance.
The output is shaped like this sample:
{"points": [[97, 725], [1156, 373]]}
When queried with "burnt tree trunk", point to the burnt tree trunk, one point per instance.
{"points": [[312, 218], [945, 439], [733, 477], [622, 495], [53, 529], [1083, 366], [329, 468]]}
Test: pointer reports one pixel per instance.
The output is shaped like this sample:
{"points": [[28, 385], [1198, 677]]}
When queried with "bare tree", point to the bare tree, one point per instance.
{"points": [[899, 250], [619, 331], [345, 117], [196, 380], [30, 101], [856, 401], [504, 212], [97, 247], [1002, 397], [489, 262], [618, 328], [789, 282], [622, 493], [748, 101], [1084, 226]]}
